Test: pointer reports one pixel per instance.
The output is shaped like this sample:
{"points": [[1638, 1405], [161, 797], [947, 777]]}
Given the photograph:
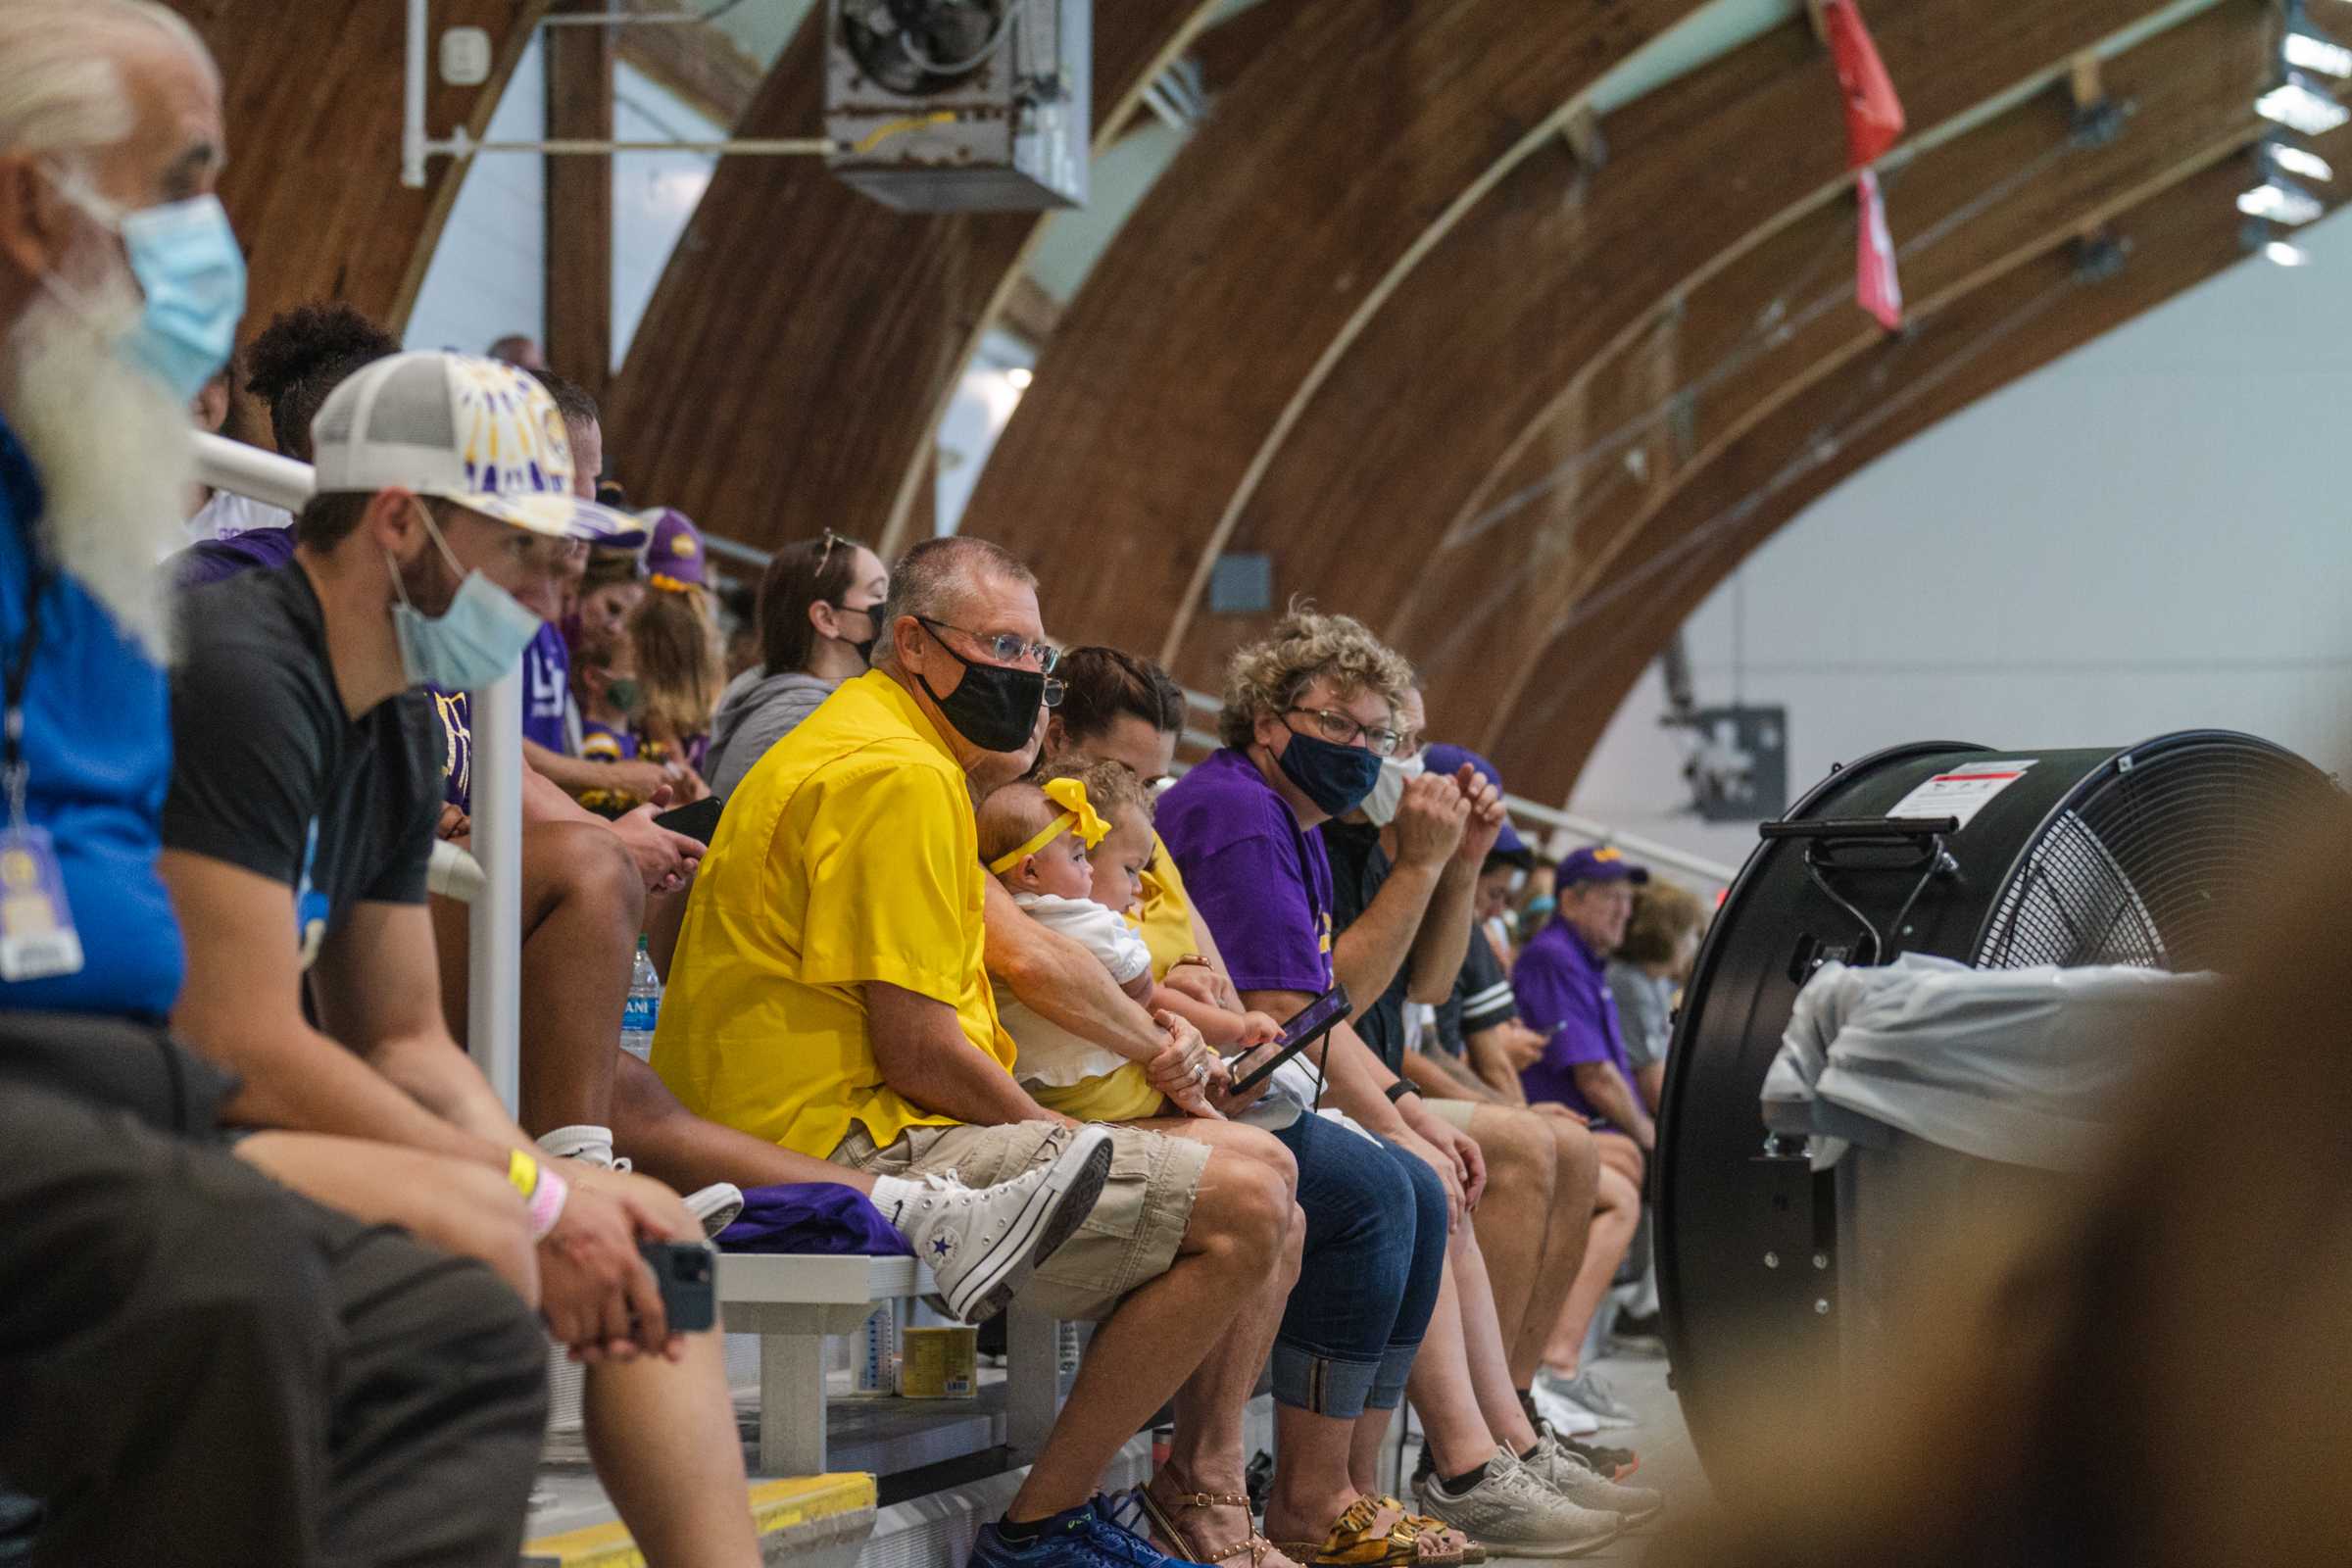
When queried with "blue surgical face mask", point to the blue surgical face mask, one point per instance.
{"points": [[186, 259], [480, 637], [1335, 777]]}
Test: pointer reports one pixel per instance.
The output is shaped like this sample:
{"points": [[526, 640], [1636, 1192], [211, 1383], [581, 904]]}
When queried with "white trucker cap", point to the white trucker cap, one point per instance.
{"points": [[475, 431]]}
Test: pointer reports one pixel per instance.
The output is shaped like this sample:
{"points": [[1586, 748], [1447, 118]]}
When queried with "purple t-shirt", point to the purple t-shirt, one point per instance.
{"points": [[1261, 882], [546, 688], [1563, 992], [215, 559]]}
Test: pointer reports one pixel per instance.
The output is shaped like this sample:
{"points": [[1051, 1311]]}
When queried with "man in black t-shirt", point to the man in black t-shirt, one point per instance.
{"points": [[306, 783]]}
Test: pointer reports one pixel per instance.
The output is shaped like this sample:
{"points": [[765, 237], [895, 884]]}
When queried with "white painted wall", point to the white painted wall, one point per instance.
{"points": [[488, 276], [654, 194], [2147, 535]]}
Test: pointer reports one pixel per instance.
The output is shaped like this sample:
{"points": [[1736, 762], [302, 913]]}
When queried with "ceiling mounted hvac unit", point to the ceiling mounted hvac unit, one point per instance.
{"points": [[951, 106]]}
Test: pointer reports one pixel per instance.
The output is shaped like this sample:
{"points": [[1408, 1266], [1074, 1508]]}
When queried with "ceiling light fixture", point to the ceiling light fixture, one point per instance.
{"points": [[2279, 252], [2301, 107], [2295, 161], [2312, 52], [2281, 201]]}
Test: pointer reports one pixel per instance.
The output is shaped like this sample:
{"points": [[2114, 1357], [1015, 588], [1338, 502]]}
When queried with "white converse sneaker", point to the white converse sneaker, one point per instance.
{"points": [[982, 1244], [1513, 1514], [590, 1146], [716, 1206]]}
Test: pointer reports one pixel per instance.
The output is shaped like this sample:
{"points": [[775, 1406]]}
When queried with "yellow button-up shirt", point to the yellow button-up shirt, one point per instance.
{"points": [[849, 854]]}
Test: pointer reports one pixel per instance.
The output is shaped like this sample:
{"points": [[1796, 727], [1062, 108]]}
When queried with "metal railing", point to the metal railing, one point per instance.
{"points": [[1530, 813], [493, 1018]]}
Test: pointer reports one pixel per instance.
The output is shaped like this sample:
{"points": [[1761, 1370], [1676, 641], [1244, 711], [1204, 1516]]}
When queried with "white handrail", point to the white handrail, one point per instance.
{"points": [[1649, 850], [1525, 810], [494, 1017]]}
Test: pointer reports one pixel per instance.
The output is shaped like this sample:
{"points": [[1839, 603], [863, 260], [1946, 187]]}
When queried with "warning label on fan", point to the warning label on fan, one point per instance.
{"points": [[1964, 791]]}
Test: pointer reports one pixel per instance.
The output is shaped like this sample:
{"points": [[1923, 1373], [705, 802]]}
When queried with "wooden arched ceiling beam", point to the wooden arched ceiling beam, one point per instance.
{"points": [[793, 363], [1564, 273], [2012, 325], [1332, 163], [312, 97], [1646, 422]]}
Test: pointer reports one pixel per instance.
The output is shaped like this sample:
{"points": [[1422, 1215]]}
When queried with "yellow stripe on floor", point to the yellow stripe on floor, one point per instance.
{"points": [[775, 1505]]}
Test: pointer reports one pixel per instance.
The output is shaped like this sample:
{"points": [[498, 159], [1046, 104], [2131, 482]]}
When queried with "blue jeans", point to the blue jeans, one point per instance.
{"points": [[1368, 1276]]}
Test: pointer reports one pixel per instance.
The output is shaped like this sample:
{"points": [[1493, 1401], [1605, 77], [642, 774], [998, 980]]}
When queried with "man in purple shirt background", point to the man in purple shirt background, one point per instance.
{"points": [[1561, 986]]}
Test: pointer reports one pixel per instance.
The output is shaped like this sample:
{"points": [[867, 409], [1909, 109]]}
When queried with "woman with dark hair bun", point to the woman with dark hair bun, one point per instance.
{"points": [[820, 614]]}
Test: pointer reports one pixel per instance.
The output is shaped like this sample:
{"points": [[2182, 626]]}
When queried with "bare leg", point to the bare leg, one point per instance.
{"points": [[663, 1439], [665, 915], [1205, 1454], [1576, 1173], [1618, 1213], [665, 1140], [1481, 1342], [1514, 1217], [582, 901], [1440, 1389], [1162, 1331]]}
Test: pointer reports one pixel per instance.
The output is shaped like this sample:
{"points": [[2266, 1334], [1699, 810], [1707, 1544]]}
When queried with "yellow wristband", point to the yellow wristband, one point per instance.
{"points": [[523, 1172]]}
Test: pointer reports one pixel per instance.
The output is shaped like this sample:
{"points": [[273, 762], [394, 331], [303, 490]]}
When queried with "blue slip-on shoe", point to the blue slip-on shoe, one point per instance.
{"points": [[1084, 1536]]}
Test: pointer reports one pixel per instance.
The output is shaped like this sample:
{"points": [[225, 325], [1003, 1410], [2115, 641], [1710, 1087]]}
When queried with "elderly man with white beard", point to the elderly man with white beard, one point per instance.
{"points": [[196, 1364]]}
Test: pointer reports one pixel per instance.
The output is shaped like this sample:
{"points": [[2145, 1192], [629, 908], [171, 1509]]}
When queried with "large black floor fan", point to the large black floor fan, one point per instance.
{"points": [[2157, 855]]}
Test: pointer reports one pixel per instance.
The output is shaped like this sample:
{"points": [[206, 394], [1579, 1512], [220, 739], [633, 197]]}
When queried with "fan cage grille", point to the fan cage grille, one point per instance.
{"points": [[2161, 864]]}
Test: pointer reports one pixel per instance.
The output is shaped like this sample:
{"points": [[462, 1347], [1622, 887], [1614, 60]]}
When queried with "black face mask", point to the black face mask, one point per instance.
{"points": [[865, 648], [1335, 777], [993, 706]]}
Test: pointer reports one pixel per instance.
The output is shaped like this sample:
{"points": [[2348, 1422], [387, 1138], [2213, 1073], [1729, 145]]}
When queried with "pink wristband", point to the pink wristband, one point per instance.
{"points": [[546, 1203]]}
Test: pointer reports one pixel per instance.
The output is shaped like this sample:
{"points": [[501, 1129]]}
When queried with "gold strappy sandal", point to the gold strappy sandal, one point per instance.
{"points": [[1255, 1544], [1357, 1541], [1423, 1525]]}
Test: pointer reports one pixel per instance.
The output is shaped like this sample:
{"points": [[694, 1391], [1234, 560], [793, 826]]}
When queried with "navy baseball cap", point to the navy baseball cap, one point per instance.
{"points": [[1596, 862], [1449, 760]]}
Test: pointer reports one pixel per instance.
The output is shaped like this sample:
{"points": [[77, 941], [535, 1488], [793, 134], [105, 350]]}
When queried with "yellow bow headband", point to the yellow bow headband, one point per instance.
{"points": [[1077, 813]]}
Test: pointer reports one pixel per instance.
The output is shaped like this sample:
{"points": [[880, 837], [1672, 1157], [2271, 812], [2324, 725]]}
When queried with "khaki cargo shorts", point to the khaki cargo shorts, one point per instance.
{"points": [[1127, 1242]]}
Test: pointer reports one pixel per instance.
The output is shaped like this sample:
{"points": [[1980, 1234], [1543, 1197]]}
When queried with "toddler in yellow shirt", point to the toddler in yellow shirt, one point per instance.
{"points": [[1071, 850]]}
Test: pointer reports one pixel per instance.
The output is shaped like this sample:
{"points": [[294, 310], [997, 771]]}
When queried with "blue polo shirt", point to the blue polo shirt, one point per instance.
{"points": [[1563, 994], [98, 754]]}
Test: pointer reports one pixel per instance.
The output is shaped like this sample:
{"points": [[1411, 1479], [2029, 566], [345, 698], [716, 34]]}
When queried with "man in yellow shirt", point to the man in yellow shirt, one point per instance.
{"points": [[829, 993]]}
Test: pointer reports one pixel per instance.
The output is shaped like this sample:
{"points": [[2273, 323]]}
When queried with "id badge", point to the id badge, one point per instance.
{"points": [[37, 939]]}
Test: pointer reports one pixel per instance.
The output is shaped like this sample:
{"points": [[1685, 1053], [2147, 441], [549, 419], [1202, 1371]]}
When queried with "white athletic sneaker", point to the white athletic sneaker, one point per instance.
{"points": [[1513, 1514], [982, 1244], [1571, 1418], [715, 1206], [1587, 1392], [1566, 1471]]}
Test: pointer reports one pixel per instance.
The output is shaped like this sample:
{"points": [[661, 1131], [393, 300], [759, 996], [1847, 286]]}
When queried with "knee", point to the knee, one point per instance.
{"points": [[1576, 1162], [1614, 1193], [1519, 1155], [1255, 1212], [1428, 1200], [1294, 1249], [1264, 1147], [591, 869]]}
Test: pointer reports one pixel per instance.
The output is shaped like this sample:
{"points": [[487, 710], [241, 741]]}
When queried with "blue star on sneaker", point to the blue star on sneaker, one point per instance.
{"points": [[941, 1247]]}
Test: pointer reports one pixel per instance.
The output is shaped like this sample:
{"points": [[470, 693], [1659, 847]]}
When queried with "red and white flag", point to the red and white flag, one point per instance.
{"points": [[1874, 115], [1877, 288]]}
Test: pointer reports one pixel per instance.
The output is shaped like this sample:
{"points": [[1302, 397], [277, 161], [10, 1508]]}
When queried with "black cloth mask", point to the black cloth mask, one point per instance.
{"points": [[1335, 777], [994, 707]]}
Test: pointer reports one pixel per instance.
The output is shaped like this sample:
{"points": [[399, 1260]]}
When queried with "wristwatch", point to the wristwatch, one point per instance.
{"points": [[1400, 1089]]}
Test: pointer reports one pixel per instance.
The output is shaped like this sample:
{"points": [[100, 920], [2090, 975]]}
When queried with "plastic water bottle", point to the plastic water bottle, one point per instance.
{"points": [[644, 1009]]}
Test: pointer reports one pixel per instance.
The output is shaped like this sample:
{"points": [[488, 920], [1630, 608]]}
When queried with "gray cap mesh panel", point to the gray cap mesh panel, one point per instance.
{"points": [[412, 407]]}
